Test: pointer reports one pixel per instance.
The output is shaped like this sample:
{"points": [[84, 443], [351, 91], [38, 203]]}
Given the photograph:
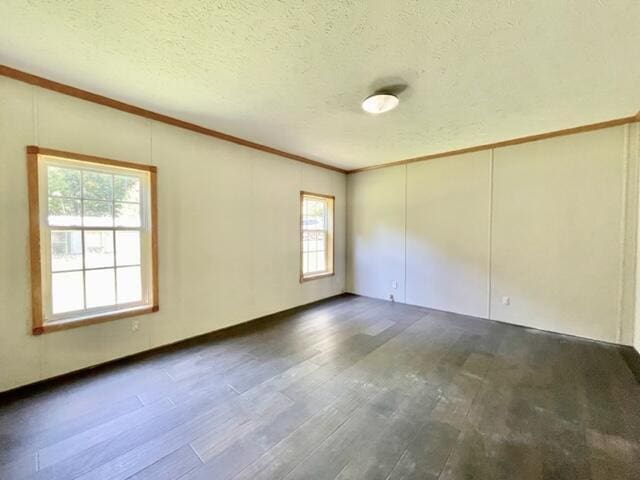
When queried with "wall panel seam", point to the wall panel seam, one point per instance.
{"points": [[406, 216], [623, 230], [632, 227], [85, 95], [634, 157], [490, 232]]}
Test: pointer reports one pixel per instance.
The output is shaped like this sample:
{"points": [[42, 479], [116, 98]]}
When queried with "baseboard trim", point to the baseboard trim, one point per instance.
{"points": [[586, 339], [226, 332], [632, 359], [629, 354]]}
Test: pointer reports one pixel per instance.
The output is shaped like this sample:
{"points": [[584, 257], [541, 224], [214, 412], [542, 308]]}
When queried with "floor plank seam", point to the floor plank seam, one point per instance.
{"points": [[194, 451], [452, 396], [232, 388]]}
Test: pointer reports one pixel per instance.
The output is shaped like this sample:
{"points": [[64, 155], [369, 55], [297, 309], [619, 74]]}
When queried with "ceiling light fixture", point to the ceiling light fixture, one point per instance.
{"points": [[380, 103]]}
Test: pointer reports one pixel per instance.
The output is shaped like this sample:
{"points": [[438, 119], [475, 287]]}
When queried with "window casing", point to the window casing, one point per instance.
{"points": [[94, 239], [316, 235]]}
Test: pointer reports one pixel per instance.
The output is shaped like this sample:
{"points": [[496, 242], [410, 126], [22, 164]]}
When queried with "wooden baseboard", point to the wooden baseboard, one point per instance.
{"points": [[632, 359], [628, 353], [226, 332]]}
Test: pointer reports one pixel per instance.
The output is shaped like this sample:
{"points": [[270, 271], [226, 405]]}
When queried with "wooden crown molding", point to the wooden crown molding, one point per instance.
{"points": [[25, 77], [158, 117], [515, 141]]}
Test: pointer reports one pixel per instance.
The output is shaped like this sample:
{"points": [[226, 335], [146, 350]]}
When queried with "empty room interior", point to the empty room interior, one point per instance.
{"points": [[319, 240]]}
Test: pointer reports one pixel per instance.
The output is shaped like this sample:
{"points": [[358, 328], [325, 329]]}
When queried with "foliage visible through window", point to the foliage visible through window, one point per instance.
{"points": [[96, 238], [317, 235]]}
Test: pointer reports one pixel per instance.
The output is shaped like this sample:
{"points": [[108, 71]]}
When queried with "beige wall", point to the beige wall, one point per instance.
{"points": [[448, 204], [375, 230], [228, 231], [557, 234], [549, 224]]}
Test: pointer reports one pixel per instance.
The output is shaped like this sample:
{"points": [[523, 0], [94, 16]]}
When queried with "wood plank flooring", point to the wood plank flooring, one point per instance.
{"points": [[349, 388]]}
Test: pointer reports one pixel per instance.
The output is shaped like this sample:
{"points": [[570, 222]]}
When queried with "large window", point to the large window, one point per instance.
{"points": [[316, 232], [93, 239]]}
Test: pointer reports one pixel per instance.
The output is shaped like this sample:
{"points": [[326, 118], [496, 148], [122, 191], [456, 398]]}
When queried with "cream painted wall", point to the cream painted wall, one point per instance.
{"points": [[448, 204], [557, 234], [550, 224], [375, 232], [228, 231]]}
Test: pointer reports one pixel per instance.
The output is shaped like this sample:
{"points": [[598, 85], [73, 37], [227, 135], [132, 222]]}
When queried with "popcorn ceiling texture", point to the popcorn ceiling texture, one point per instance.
{"points": [[291, 74]]}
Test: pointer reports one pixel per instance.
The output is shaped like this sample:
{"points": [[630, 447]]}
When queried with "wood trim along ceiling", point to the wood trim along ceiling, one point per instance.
{"points": [[21, 76], [505, 143], [25, 77]]}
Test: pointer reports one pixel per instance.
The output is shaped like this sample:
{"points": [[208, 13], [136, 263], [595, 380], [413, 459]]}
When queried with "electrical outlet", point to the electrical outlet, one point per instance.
{"points": [[506, 301], [135, 325]]}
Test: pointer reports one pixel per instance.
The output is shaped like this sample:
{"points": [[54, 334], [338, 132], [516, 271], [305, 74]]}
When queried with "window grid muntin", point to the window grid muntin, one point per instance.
{"points": [[323, 248], [143, 229]]}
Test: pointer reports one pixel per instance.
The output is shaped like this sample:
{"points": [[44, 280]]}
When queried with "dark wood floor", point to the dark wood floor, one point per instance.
{"points": [[348, 388]]}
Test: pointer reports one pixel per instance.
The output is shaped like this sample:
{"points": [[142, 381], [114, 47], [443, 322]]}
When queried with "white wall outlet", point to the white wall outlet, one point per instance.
{"points": [[135, 325], [394, 285], [506, 301]]}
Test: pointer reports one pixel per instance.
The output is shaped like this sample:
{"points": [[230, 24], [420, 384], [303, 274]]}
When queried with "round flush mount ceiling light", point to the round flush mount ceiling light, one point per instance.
{"points": [[380, 103]]}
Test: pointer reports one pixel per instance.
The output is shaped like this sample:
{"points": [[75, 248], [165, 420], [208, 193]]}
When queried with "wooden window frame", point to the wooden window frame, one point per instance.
{"points": [[39, 324], [331, 242]]}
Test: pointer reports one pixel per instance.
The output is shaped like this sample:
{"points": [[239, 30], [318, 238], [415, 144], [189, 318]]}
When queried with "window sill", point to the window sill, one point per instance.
{"points": [[308, 278], [91, 320]]}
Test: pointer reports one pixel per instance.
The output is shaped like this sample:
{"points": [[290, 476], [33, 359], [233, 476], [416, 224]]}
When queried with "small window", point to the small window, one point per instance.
{"points": [[93, 239], [316, 232]]}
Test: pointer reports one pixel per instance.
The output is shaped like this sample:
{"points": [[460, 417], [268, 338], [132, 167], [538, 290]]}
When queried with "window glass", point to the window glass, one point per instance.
{"points": [[317, 226], [94, 237], [66, 250]]}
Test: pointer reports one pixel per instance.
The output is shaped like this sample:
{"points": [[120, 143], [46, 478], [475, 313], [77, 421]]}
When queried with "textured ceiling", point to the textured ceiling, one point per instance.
{"points": [[291, 74]]}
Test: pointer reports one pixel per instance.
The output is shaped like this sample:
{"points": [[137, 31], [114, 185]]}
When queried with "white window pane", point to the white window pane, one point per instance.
{"points": [[67, 292], [126, 188], [98, 248], [64, 212], [97, 186], [127, 214], [98, 214], [305, 263], [127, 248], [314, 214], [66, 250], [129, 285], [320, 263], [101, 288], [63, 182], [312, 263]]}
